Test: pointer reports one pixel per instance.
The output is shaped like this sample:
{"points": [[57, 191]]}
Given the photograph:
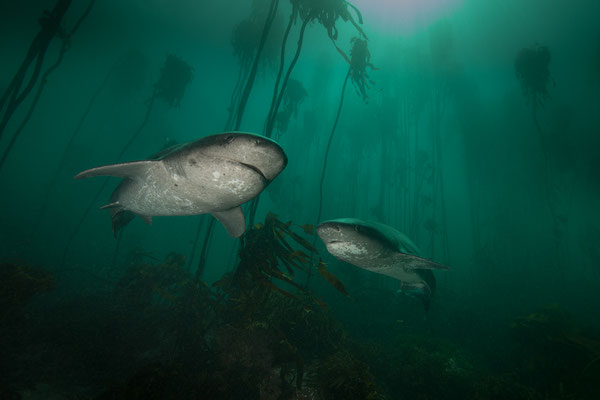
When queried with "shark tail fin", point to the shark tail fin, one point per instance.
{"points": [[419, 290]]}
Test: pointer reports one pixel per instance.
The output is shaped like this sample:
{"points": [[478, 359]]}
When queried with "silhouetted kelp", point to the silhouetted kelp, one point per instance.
{"points": [[253, 40], [532, 71], [51, 26], [245, 94], [246, 40], [357, 72], [443, 71], [531, 68], [360, 58], [325, 12], [294, 96], [266, 254], [174, 77], [124, 78]]}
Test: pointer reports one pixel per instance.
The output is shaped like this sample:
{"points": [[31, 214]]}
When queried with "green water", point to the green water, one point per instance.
{"points": [[472, 127]]}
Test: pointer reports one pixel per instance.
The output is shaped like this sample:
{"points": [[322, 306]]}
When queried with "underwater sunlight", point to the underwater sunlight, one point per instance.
{"points": [[404, 16]]}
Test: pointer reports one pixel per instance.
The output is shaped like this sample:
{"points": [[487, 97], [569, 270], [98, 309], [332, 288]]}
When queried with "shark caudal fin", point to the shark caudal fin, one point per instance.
{"points": [[122, 170], [420, 290]]}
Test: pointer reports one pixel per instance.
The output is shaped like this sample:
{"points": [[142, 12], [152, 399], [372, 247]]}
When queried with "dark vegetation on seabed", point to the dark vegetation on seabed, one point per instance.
{"points": [[493, 173]]}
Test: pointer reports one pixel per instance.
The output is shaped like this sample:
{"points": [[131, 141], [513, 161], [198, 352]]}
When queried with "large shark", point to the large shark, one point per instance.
{"points": [[215, 174], [381, 249]]}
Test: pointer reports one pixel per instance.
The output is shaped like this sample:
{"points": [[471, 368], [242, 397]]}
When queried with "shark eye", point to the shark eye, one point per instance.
{"points": [[357, 228], [229, 139]]}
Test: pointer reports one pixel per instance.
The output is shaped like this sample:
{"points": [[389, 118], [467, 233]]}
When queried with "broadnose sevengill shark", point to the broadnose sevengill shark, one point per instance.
{"points": [[213, 175], [381, 249]]}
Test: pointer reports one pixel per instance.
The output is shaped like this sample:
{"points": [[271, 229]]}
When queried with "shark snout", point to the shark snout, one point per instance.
{"points": [[256, 152], [275, 159], [260, 153], [329, 232]]}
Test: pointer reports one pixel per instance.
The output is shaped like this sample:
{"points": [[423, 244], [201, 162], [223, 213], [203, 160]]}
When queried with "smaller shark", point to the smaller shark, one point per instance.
{"points": [[381, 249], [215, 174]]}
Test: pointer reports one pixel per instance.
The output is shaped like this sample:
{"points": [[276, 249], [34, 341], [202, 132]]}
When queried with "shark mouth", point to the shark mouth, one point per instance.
{"points": [[335, 244], [255, 169], [249, 166]]}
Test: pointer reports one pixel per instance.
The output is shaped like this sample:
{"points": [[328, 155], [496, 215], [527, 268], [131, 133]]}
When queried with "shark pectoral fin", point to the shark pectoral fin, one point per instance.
{"points": [[414, 262], [146, 218], [122, 170], [233, 220]]}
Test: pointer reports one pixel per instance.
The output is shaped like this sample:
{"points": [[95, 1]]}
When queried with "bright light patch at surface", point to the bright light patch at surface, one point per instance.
{"points": [[403, 15]]}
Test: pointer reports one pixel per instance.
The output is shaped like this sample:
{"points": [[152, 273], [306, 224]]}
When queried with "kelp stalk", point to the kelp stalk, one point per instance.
{"points": [[252, 76], [532, 70], [281, 63], [271, 121], [326, 159], [100, 190], [237, 114], [51, 27], [66, 152], [174, 77], [357, 72], [15, 85]]}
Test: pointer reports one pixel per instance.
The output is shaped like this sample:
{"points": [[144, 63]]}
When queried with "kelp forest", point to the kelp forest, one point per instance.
{"points": [[396, 200]]}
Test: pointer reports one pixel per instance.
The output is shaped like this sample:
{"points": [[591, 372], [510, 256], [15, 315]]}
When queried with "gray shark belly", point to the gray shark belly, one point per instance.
{"points": [[201, 187], [382, 262], [397, 272]]}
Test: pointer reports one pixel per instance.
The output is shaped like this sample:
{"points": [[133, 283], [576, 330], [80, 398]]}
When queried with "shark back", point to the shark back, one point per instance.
{"points": [[165, 152], [381, 249], [398, 240]]}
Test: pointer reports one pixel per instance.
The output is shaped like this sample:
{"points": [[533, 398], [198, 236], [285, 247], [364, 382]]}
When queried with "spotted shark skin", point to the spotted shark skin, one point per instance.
{"points": [[383, 250], [213, 175]]}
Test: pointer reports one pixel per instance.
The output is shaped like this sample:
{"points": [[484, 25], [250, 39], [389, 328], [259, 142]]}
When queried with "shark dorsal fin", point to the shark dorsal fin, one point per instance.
{"points": [[122, 170]]}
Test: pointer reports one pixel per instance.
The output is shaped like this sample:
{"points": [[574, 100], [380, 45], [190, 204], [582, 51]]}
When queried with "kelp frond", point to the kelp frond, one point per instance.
{"points": [[175, 75], [531, 69], [360, 60]]}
